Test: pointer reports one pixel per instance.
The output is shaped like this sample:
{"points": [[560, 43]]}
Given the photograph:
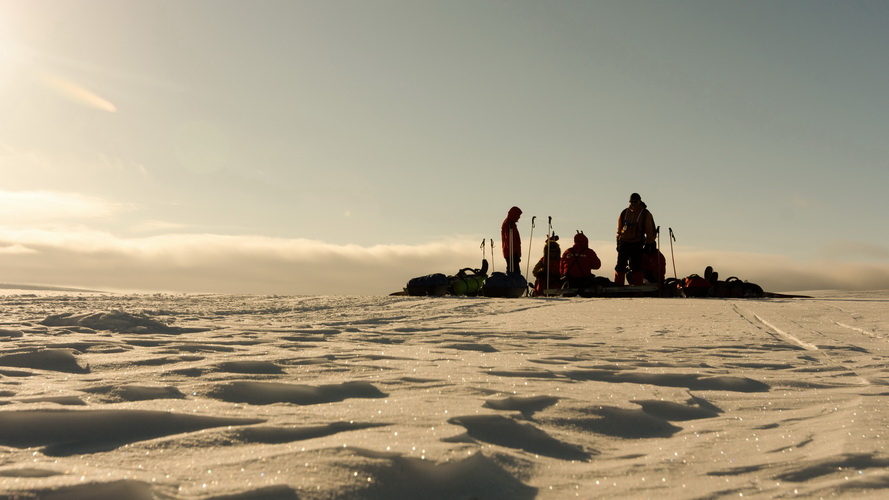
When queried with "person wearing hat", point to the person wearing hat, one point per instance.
{"points": [[636, 234], [510, 240], [546, 271], [579, 262]]}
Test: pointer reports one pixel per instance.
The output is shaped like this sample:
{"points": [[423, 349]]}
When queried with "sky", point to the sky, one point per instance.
{"points": [[304, 147]]}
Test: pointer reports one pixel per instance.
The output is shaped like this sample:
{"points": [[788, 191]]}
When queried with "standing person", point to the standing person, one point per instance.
{"points": [[511, 241], [547, 271], [635, 235], [578, 262]]}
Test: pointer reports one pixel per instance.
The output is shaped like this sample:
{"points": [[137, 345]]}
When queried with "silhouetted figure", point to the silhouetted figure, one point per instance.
{"points": [[511, 241], [636, 235], [547, 272]]}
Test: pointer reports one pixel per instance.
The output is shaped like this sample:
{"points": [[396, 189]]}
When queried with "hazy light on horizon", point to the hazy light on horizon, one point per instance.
{"points": [[262, 265]]}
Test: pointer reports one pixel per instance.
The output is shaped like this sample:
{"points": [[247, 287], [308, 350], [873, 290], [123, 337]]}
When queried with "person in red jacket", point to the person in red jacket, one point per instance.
{"points": [[578, 263], [511, 241], [548, 271]]}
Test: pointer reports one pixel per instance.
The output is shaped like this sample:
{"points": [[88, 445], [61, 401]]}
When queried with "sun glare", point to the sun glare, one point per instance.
{"points": [[15, 57]]}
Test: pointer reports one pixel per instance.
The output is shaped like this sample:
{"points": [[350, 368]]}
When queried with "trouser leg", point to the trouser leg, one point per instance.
{"points": [[512, 264]]}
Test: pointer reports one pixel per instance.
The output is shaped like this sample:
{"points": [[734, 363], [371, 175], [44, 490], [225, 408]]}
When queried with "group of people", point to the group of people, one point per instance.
{"points": [[638, 258]]}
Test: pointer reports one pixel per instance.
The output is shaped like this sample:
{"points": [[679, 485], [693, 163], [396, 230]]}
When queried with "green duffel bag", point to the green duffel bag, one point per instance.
{"points": [[467, 282]]}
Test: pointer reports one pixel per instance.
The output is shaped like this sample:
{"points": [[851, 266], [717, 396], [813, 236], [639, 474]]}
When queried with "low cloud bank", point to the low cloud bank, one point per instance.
{"points": [[781, 273], [221, 264], [262, 265]]}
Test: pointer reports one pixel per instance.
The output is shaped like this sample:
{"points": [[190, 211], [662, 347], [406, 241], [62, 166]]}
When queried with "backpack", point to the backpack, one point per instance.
{"points": [[627, 224], [431, 284]]}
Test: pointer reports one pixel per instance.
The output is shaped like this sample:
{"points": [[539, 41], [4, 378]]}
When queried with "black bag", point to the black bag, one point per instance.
{"points": [[735, 288], [510, 285], [431, 284], [672, 287]]}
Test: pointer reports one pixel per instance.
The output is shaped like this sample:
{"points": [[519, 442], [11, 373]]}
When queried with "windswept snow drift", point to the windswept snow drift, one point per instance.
{"points": [[130, 396]]}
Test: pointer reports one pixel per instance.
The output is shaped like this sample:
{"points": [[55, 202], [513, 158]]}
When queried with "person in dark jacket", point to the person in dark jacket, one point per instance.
{"points": [[578, 262], [636, 235], [511, 242], [547, 271]]}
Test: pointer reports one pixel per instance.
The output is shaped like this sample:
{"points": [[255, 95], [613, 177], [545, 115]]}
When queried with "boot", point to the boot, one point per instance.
{"points": [[635, 278], [619, 278]]}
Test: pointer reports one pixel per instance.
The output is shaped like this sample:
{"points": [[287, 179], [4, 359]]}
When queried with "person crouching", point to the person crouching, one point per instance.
{"points": [[578, 262], [547, 272]]}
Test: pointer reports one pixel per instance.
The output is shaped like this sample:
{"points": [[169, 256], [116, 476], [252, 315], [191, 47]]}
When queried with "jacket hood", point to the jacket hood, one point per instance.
{"points": [[514, 213], [580, 240], [554, 248]]}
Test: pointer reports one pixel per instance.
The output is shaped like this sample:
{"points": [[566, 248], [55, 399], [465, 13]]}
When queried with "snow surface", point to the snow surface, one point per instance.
{"points": [[183, 396]]}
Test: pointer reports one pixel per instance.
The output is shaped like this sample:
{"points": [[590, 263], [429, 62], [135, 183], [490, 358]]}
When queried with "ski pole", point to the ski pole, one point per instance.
{"points": [[530, 247], [510, 263], [493, 267], [482, 246], [672, 239], [657, 257], [549, 235]]}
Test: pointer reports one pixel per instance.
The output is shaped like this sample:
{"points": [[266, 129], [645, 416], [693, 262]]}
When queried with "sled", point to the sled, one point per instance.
{"points": [[606, 291]]}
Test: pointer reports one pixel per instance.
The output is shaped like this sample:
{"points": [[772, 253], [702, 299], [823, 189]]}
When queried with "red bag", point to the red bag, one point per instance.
{"points": [[654, 267], [695, 286]]}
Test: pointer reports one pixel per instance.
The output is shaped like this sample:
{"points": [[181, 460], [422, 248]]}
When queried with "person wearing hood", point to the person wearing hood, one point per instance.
{"points": [[548, 271], [578, 262], [511, 242], [636, 235]]}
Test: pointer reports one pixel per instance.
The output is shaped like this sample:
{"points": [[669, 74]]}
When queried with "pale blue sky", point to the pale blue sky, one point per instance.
{"points": [[161, 144]]}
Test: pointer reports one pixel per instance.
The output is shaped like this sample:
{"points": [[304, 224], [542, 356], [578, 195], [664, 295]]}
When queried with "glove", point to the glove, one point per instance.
{"points": [[650, 248]]}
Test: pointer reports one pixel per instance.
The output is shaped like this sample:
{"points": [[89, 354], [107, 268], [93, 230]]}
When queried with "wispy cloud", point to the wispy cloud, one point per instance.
{"points": [[75, 92], [157, 226], [36, 170], [16, 249], [18, 208]]}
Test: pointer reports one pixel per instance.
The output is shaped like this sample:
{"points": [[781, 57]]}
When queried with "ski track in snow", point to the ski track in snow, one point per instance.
{"points": [[859, 330], [156, 396], [782, 333]]}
